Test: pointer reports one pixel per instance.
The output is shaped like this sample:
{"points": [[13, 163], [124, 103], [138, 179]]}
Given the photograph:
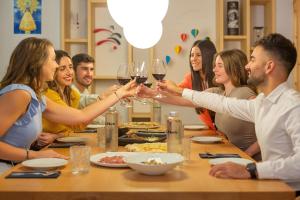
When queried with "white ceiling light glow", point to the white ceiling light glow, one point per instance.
{"points": [[143, 36], [141, 20]]}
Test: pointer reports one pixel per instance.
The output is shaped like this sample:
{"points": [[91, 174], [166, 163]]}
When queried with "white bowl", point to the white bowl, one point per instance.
{"points": [[170, 160]]}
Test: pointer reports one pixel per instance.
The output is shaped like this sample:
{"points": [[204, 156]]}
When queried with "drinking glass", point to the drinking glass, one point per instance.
{"points": [[80, 159], [139, 71], [123, 76], [159, 72]]}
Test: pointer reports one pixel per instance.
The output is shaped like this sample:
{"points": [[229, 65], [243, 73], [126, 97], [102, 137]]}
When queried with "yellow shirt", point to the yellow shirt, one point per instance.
{"points": [[52, 127]]}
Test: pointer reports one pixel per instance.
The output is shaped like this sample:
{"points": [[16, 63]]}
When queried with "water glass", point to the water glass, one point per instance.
{"points": [[101, 137], [80, 159], [186, 148]]}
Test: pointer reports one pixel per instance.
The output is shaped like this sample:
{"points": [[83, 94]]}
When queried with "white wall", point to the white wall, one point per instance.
{"points": [[284, 18], [8, 41], [182, 16]]}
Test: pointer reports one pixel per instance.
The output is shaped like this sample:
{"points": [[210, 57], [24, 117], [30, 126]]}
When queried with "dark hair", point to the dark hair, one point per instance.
{"points": [[66, 93], [281, 48], [26, 62], [82, 57], [59, 54], [208, 51]]}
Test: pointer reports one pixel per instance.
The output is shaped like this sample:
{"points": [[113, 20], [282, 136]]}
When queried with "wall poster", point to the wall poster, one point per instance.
{"points": [[27, 16]]}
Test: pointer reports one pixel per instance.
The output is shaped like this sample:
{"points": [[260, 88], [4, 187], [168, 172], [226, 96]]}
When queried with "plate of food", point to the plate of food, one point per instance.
{"points": [[140, 125], [134, 138], [72, 139], [94, 126], [206, 139], [44, 163], [147, 147], [110, 159], [241, 161], [151, 134], [195, 127], [154, 163]]}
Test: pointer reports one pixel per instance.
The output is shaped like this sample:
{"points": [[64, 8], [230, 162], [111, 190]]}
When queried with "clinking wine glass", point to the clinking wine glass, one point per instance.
{"points": [[139, 71], [123, 77], [159, 72], [147, 84]]}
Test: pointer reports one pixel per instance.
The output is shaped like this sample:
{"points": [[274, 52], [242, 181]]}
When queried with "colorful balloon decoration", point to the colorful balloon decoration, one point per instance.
{"points": [[194, 32], [168, 59], [178, 49], [183, 36], [114, 37]]}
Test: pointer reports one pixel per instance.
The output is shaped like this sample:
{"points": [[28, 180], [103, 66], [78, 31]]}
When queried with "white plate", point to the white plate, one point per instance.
{"points": [[44, 163], [94, 126], [72, 139], [241, 161], [206, 139], [195, 127], [170, 160], [95, 158]]}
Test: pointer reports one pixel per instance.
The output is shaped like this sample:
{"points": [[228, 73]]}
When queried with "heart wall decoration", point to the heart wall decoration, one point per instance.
{"points": [[183, 37]]}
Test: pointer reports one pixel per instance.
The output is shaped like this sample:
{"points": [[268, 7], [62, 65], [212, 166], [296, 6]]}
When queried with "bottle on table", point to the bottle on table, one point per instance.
{"points": [[156, 112], [111, 130], [174, 133]]}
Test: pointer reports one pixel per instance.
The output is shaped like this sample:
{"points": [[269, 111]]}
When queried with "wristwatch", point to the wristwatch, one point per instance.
{"points": [[251, 168]]}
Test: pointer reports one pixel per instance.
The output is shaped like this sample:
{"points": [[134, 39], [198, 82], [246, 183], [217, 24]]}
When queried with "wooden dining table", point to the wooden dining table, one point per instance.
{"points": [[191, 180]]}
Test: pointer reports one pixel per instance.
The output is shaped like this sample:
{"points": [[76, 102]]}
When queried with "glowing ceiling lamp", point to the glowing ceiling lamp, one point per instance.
{"points": [[141, 20]]}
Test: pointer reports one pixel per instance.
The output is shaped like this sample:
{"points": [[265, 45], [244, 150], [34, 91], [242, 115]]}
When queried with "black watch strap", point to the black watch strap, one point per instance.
{"points": [[251, 168]]}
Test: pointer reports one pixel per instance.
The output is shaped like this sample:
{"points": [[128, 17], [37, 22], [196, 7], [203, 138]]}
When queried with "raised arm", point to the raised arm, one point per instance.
{"points": [[169, 98], [239, 108], [71, 116]]}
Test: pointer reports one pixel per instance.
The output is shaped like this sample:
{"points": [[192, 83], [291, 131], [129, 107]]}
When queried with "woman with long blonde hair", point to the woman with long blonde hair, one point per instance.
{"points": [[22, 103]]}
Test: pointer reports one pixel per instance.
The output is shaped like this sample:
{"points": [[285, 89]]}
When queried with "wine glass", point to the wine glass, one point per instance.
{"points": [[123, 77], [147, 84], [159, 72], [139, 71]]}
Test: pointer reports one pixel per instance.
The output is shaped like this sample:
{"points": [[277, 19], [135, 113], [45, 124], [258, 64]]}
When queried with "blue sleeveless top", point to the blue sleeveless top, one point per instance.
{"points": [[26, 129]]}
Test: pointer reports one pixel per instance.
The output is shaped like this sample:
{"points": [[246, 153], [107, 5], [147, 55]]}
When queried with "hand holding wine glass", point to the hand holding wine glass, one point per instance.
{"points": [[158, 72], [123, 77], [139, 71]]}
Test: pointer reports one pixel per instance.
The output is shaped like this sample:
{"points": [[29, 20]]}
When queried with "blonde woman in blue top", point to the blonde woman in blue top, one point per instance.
{"points": [[32, 63]]}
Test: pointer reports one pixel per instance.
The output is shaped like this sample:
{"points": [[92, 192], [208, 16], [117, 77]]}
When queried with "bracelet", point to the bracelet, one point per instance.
{"points": [[117, 95], [27, 153]]}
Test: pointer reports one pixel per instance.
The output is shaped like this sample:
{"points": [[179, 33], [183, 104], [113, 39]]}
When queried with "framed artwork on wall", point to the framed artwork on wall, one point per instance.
{"points": [[27, 16]]}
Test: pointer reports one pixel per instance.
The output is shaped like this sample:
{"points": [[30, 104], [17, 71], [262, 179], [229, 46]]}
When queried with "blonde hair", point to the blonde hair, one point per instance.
{"points": [[26, 63]]}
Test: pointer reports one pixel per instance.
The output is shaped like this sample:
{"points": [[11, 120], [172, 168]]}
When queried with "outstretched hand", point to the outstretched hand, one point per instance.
{"points": [[170, 87], [127, 90], [145, 92], [109, 91]]}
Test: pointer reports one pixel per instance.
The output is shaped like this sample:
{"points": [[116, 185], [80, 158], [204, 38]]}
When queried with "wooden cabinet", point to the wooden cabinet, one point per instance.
{"points": [[252, 13], [74, 36]]}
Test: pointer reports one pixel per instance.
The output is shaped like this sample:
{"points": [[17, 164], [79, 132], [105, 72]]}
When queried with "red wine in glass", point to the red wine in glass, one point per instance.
{"points": [[159, 77], [148, 84], [123, 81], [141, 79]]}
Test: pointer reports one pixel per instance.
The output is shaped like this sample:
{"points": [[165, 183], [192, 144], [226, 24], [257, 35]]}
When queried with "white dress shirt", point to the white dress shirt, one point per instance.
{"points": [[277, 126]]}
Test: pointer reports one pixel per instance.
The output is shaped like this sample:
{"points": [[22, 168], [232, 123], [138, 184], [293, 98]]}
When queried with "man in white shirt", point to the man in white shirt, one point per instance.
{"points": [[83, 65], [275, 112]]}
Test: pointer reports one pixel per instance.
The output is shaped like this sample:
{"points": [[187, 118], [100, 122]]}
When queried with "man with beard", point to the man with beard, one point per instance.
{"points": [[84, 74], [275, 112]]}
